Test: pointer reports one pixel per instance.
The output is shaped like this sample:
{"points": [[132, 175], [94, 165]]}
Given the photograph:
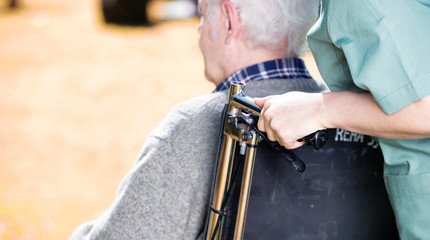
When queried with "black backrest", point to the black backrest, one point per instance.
{"points": [[341, 194]]}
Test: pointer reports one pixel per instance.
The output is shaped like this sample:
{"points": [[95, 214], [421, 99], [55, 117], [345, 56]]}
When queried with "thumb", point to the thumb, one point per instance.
{"points": [[261, 101]]}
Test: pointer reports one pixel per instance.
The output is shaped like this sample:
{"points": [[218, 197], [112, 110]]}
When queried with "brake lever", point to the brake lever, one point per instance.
{"points": [[292, 158]]}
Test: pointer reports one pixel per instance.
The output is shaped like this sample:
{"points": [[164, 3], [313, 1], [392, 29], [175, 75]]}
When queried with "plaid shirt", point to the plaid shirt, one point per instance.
{"points": [[285, 68]]}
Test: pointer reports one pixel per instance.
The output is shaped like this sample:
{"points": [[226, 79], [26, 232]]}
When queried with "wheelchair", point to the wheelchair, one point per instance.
{"points": [[341, 194]]}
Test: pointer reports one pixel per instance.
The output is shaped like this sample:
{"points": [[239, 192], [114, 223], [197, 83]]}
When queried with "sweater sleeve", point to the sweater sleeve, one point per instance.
{"points": [[165, 194]]}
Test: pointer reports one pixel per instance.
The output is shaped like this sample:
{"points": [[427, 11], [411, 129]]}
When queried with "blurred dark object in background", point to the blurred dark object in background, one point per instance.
{"points": [[13, 4], [147, 12], [125, 12]]}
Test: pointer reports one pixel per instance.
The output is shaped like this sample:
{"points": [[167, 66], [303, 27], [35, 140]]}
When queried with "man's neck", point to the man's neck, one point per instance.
{"points": [[248, 57], [284, 68]]}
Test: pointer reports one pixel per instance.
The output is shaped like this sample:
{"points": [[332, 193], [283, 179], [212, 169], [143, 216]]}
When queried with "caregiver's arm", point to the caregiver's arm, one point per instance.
{"points": [[291, 116]]}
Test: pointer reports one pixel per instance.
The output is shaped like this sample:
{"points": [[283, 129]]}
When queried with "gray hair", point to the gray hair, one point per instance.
{"points": [[269, 23]]}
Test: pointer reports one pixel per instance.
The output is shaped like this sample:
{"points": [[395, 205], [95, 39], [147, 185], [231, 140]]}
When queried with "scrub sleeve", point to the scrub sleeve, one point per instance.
{"points": [[383, 47]]}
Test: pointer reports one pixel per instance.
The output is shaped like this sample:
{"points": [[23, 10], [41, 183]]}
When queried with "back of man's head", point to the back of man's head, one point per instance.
{"points": [[269, 23]]}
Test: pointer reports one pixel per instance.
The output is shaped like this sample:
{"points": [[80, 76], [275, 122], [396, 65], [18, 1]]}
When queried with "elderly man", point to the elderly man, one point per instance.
{"points": [[165, 195]]}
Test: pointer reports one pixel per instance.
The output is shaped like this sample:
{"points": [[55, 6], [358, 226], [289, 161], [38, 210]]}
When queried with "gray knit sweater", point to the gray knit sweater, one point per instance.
{"points": [[165, 195]]}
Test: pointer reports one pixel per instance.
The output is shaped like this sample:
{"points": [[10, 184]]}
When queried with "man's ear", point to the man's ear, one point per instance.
{"points": [[232, 20]]}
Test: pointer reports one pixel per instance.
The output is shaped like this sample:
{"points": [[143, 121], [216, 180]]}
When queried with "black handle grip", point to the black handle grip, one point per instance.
{"points": [[317, 139]]}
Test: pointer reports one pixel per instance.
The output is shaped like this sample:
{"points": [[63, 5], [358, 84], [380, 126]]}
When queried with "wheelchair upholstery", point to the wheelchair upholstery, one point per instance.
{"points": [[340, 195]]}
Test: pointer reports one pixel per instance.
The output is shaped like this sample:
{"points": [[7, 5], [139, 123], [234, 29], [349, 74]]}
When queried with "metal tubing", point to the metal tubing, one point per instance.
{"points": [[231, 136], [223, 175], [222, 185], [245, 191]]}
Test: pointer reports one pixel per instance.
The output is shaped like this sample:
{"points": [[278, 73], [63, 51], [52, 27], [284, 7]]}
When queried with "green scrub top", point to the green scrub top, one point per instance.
{"points": [[383, 47]]}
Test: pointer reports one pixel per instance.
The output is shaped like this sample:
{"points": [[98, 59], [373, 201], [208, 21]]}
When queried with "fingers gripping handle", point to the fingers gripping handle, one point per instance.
{"points": [[317, 139]]}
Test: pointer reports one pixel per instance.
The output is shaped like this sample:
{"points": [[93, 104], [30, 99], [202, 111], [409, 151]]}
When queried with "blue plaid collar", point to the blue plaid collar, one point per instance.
{"points": [[285, 68]]}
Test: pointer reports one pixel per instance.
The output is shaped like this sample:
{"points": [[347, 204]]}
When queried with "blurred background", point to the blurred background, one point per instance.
{"points": [[82, 83]]}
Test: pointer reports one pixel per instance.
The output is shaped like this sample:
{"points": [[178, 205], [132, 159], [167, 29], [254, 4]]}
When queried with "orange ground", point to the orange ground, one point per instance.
{"points": [[77, 100]]}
